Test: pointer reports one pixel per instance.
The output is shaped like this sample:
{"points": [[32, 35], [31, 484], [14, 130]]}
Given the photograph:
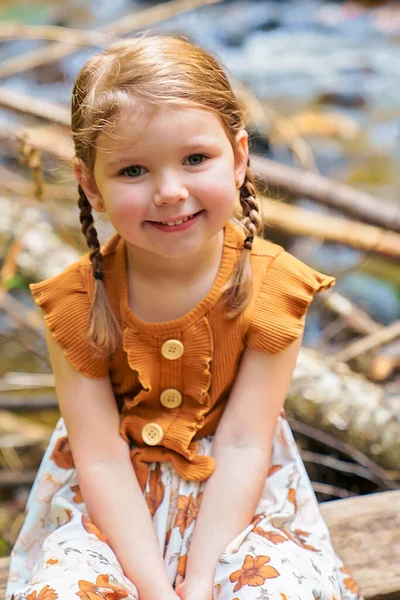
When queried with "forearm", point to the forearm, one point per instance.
{"points": [[117, 507], [230, 498]]}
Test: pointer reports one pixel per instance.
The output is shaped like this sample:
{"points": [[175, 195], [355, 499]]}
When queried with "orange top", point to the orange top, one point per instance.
{"points": [[172, 379]]}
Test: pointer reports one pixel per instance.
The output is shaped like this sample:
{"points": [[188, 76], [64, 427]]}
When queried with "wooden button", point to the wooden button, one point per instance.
{"points": [[171, 398], [152, 434], [172, 349]]}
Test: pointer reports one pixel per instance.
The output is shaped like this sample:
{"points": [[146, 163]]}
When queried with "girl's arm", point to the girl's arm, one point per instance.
{"points": [[242, 451], [106, 477]]}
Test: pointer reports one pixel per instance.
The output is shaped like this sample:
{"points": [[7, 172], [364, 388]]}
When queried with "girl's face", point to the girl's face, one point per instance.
{"points": [[168, 181]]}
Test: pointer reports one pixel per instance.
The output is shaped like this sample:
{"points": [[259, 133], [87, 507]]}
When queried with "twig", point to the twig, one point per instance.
{"points": [[54, 33], [51, 191], [30, 156], [128, 24], [49, 139], [11, 479], [22, 403], [331, 490], [332, 442], [28, 348], [321, 189], [37, 107], [19, 313], [16, 380], [352, 316], [299, 221], [370, 342], [337, 465]]}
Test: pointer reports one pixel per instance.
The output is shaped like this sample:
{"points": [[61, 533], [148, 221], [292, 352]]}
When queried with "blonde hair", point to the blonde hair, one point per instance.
{"points": [[151, 71]]}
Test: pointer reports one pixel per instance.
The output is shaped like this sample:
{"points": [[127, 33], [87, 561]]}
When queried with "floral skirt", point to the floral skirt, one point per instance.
{"points": [[285, 553]]}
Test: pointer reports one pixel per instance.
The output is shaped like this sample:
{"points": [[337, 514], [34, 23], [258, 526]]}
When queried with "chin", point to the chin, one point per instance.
{"points": [[178, 252]]}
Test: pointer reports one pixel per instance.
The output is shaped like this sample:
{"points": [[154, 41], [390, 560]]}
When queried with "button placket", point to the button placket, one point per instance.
{"points": [[171, 398], [172, 349], [152, 434]]}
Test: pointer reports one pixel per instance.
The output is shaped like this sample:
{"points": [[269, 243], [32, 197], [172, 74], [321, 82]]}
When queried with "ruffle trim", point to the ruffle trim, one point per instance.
{"points": [[191, 374], [66, 306], [286, 293], [199, 469], [144, 353]]}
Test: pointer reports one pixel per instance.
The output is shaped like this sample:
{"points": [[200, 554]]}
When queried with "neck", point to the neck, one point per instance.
{"points": [[149, 266]]}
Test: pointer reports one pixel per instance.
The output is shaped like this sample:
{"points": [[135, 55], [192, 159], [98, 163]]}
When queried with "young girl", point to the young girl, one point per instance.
{"points": [[173, 472]]}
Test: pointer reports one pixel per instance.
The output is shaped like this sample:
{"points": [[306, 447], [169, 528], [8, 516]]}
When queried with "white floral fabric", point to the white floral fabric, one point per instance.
{"points": [[285, 553]]}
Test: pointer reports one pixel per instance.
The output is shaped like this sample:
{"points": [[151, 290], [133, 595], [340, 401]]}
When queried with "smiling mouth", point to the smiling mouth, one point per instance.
{"points": [[178, 221]]}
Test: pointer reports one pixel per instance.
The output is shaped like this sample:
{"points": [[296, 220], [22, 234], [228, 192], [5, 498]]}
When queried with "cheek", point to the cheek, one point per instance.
{"points": [[220, 180], [124, 204]]}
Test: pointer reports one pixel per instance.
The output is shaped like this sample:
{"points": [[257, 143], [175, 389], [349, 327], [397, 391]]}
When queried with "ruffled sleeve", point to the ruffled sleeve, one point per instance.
{"points": [[66, 306], [287, 289]]}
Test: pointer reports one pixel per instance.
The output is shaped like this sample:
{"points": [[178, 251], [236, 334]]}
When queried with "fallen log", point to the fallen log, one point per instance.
{"points": [[365, 532], [330, 397], [307, 184], [299, 221]]}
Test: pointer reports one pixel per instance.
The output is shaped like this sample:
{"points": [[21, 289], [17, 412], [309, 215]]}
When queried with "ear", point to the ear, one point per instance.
{"points": [[88, 184], [241, 155]]}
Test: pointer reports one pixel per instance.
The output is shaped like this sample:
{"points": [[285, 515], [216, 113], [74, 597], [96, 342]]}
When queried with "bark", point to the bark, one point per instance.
{"points": [[299, 221], [365, 532], [308, 184], [327, 395]]}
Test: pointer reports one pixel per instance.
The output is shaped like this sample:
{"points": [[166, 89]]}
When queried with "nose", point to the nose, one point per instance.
{"points": [[170, 189]]}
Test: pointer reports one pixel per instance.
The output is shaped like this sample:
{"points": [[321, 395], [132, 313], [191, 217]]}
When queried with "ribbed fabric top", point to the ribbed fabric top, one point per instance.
{"points": [[283, 288]]}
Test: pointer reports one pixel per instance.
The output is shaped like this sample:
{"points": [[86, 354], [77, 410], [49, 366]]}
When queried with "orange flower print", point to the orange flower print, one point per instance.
{"points": [[78, 499], [167, 537], [274, 469], [217, 590], [91, 528], [69, 514], [300, 540], [101, 589], [187, 512], [283, 596], [271, 536], [62, 454], [292, 496], [253, 572], [46, 593], [199, 499], [181, 570], [155, 495], [349, 582], [256, 520], [52, 561]]}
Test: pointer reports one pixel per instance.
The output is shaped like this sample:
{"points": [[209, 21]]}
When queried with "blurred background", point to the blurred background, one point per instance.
{"points": [[320, 82]]}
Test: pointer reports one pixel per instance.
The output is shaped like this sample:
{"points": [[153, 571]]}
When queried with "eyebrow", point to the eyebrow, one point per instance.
{"points": [[193, 144]]}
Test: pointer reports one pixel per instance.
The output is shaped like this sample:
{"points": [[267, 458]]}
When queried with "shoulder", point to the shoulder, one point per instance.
{"points": [[66, 299], [284, 287]]}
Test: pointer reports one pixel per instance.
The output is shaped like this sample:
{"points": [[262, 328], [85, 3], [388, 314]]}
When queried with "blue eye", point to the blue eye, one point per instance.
{"points": [[132, 171], [196, 159]]}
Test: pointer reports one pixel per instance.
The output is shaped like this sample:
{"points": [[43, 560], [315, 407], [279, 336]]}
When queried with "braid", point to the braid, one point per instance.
{"points": [[104, 330], [239, 289], [251, 217], [90, 233]]}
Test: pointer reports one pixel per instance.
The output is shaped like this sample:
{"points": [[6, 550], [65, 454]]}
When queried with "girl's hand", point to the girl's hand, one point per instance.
{"points": [[190, 589]]}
